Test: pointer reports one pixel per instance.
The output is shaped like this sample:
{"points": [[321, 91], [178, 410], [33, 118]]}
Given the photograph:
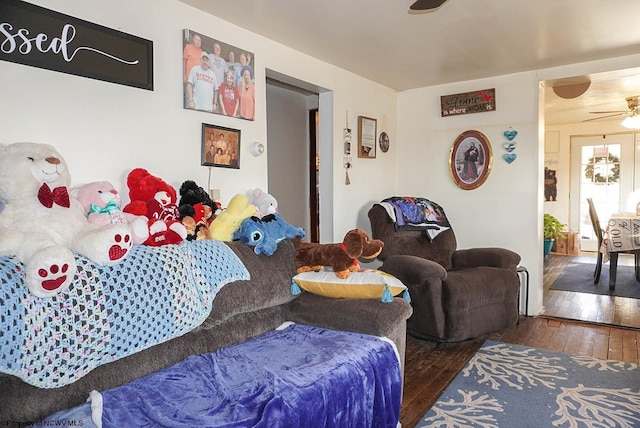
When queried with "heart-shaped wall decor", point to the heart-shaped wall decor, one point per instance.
{"points": [[510, 134], [511, 146], [509, 157]]}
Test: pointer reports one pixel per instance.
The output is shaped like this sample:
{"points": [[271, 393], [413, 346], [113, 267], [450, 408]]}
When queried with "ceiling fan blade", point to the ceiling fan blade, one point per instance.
{"points": [[426, 4], [604, 117], [610, 111]]}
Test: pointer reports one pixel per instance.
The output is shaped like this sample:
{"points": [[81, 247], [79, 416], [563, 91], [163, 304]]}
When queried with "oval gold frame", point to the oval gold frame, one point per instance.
{"points": [[480, 164]]}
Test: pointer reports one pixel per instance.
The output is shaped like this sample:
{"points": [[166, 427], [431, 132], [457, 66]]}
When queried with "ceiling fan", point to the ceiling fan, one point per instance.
{"points": [[633, 111], [425, 5]]}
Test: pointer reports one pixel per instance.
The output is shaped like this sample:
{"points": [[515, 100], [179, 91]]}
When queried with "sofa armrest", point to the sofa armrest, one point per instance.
{"points": [[367, 316], [492, 257]]}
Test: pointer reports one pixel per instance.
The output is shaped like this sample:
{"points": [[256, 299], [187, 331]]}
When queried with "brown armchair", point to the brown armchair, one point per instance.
{"points": [[455, 294]]}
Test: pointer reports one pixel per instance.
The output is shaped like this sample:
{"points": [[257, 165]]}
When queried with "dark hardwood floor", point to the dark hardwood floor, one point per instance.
{"points": [[430, 367], [619, 311]]}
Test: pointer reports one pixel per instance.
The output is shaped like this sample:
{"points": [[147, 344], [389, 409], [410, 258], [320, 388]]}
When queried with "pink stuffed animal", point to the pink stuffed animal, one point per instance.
{"points": [[101, 202]]}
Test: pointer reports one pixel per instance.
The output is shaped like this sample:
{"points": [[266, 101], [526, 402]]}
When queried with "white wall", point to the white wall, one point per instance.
{"points": [[104, 130], [504, 211]]}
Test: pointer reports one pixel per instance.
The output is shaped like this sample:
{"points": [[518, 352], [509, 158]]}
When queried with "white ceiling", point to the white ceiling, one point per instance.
{"points": [[462, 40]]}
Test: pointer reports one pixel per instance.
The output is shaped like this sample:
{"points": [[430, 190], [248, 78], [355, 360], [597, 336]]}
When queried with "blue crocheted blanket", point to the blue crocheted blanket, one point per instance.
{"points": [[109, 312]]}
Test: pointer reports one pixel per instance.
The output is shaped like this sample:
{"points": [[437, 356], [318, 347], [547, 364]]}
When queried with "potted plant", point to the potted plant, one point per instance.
{"points": [[553, 229]]}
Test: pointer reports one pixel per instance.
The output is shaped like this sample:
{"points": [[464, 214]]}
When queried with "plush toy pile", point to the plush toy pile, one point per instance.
{"points": [[41, 225], [43, 221]]}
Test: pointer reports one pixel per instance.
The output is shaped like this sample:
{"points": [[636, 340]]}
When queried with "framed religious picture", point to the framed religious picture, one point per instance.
{"points": [[220, 146], [367, 134], [383, 140], [470, 160]]}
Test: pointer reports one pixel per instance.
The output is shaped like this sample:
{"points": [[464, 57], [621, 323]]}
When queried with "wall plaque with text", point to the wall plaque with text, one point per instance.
{"points": [[39, 37], [468, 102]]}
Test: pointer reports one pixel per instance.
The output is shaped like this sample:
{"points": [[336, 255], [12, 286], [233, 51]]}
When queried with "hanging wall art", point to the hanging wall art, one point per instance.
{"points": [[470, 160]]}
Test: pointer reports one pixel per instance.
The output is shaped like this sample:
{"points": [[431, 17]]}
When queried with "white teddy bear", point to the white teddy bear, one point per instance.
{"points": [[42, 226]]}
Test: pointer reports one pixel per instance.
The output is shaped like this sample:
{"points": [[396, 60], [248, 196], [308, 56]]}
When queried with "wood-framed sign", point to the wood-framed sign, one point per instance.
{"points": [[39, 37], [468, 102], [367, 137], [470, 159]]}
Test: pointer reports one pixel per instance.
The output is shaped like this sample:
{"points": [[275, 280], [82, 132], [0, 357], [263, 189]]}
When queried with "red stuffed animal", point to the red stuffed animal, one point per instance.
{"points": [[156, 200]]}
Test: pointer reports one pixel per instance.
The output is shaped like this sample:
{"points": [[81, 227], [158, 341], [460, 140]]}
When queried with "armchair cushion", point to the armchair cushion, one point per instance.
{"points": [[494, 257]]}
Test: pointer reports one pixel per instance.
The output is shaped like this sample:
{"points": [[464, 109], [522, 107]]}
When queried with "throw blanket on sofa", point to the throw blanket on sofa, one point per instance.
{"points": [[296, 376], [109, 312], [410, 213]]}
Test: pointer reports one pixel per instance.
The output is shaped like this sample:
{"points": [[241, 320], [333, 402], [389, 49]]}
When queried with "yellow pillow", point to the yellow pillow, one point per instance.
{"points": [[364, 284]]}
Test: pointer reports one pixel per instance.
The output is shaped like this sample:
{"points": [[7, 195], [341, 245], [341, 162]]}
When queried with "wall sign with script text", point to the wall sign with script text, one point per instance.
{"points": [[468, 102], [39, 37]]}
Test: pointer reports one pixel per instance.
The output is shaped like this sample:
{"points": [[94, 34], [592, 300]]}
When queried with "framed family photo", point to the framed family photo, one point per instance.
{"points": [[470, 160], [220, 146], [217, 77]]}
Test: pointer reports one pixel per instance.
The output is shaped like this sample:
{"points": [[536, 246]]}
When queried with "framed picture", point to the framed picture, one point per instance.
{"points": [[470, 160], [383, 140], [367, 133], [217, 77], [220, 146]]}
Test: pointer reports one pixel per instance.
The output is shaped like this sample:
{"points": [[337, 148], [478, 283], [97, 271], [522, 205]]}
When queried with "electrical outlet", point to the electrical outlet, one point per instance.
{"points": [[214, 194]]}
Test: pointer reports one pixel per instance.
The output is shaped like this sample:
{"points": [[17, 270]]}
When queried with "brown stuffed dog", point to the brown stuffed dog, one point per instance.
{"points": [[343, 258]]}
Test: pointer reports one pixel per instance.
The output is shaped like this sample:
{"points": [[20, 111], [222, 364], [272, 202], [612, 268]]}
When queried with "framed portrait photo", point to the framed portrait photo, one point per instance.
{"points": [[220, 146], [470, 160]]}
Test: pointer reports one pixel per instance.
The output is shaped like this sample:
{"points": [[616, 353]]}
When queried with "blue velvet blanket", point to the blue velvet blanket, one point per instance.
{"points": [[109, 312], [296, 376]]}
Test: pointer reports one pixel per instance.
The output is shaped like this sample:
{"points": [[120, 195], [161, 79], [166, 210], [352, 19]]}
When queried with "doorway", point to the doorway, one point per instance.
{"points": [[602, 168], [299, 133]]}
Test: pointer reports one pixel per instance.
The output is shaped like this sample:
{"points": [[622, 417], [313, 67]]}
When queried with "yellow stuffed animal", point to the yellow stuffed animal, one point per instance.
{"points": [[228, 222]]}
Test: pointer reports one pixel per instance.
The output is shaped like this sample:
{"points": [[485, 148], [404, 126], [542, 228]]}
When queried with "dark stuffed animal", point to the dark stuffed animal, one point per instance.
{"points": [[550, 184], [197, 210], [192, 194], [343, 257]]}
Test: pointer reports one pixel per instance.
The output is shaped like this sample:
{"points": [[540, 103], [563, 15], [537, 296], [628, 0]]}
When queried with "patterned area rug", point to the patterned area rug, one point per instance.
{"points": [[579, 277], [507, 385]]}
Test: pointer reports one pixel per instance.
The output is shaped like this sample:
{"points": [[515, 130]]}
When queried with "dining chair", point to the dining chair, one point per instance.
{"points": [[613, 264], [599, 234]]}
